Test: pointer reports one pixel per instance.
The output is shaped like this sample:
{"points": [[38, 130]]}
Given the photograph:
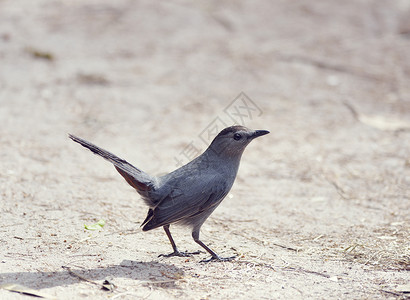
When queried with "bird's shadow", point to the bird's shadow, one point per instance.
{"points": [[150, 272]]}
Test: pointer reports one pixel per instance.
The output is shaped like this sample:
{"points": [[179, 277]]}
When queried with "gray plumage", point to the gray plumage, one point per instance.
{"points": [[191, 193]]}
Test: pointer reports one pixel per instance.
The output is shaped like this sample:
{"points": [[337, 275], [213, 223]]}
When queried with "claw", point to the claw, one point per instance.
{"points": [[180, 254]]}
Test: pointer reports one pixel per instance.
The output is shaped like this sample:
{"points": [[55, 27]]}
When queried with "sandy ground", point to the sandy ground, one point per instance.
{"points": [[320, 208]]}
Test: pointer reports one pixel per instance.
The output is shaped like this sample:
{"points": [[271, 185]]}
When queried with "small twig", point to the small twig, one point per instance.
{"points": [[309, 271], [352, 110], [286, 247], [71, 272], [318, 237], [264, 265], [342, 193], [351, 248], [393, 293], [161, 281], [235, 220], [83, 255], [316, 273], [374, 254]]}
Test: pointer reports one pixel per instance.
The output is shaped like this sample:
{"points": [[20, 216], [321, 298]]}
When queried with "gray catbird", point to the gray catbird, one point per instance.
{"points": [[191, 193]]}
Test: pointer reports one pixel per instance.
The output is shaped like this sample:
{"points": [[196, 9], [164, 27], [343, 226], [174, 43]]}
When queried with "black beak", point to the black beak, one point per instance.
{"points": [[258, 133]]}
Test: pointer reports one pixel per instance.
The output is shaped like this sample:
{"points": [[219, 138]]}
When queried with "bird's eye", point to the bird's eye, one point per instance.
{"points": [[237, 136]]}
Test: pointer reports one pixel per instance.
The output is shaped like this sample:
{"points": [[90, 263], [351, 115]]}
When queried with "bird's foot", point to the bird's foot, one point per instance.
{"points": [[218, 258], [180, 254]]}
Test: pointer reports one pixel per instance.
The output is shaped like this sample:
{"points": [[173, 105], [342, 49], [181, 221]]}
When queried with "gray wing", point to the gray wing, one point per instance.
{"points": [[177, 207]]}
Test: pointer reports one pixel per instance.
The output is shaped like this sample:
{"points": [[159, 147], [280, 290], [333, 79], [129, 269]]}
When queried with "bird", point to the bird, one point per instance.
{"points": [[189, 194]]}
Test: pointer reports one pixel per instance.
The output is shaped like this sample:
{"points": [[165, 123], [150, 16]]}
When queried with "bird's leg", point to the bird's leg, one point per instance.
{"points": [[214, 256], [174, 246]]}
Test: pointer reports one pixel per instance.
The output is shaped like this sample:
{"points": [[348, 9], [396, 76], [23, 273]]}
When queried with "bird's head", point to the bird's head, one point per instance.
{"points": [[233, 140]]}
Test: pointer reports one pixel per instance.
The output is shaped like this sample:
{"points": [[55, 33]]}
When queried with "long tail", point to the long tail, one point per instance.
{"points": [[138, 179]]}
